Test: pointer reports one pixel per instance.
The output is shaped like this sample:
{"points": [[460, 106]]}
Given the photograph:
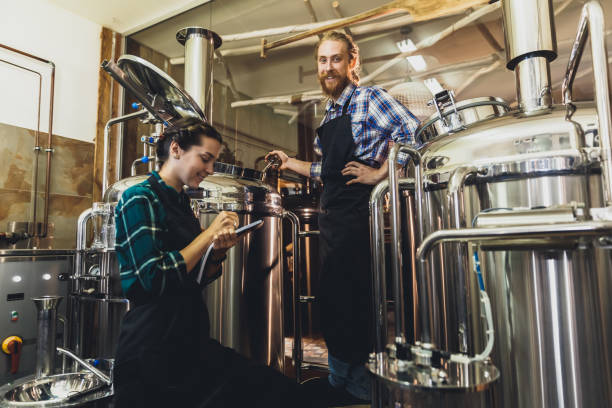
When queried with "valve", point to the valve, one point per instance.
{"points": [[12, 346], [150, 140]]}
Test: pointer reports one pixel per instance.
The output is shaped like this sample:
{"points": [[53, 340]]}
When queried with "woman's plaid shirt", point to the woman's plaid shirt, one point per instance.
{"points": [[140, 220]]}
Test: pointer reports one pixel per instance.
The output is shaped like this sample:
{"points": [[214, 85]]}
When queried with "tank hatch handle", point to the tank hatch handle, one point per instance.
{"points": [[443, 100]]}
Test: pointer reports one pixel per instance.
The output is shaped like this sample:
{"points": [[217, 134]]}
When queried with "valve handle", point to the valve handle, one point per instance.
{"points": [[12, 346]]}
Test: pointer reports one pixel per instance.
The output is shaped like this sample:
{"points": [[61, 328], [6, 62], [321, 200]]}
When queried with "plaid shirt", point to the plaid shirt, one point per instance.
{"points": [[376, 119], [140, 220]]}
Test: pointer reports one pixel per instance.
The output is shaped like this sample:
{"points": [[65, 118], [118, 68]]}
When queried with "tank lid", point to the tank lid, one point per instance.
{"points": [[233, 188], [230, 188], [511, 146], [161, 95]]}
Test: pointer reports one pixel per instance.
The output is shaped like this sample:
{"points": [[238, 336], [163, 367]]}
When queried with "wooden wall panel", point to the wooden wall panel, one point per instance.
{"points": [[107, 109]]}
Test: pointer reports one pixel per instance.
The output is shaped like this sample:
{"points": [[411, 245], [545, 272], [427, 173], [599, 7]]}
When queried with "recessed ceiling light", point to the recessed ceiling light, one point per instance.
{"points": [[416, 61]]}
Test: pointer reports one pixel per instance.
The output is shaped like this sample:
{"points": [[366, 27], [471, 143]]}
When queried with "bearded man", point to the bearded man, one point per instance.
{"points": [[360, 125]]}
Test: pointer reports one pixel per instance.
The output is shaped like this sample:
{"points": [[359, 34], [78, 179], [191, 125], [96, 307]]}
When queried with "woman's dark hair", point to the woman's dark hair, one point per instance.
{"points": [[186, 132]]}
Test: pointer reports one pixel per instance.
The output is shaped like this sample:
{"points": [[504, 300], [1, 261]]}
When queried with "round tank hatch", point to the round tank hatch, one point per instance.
{"points": [[468, 112], [156, 90]]}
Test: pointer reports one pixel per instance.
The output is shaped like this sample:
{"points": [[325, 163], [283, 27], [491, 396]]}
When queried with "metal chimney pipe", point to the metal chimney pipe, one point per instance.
{"points": [[530, 46], [200, 45], [45, 343]]}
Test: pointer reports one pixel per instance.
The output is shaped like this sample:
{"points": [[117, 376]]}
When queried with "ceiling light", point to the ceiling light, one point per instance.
{"points": [[416, 61]]}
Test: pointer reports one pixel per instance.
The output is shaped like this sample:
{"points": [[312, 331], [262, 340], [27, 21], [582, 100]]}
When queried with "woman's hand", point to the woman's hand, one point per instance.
{"points": [[225, 219], [223, 230], [224, 240]]}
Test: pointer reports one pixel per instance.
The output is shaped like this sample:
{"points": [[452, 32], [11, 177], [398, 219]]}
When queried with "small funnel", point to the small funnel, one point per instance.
{"points": [[46, 307]]}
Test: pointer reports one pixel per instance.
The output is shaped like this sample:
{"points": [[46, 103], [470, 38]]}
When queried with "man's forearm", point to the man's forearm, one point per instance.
{"points": [[299, 166]]}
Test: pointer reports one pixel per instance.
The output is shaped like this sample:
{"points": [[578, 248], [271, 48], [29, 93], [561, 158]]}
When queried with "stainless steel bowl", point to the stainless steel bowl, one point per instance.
{"points": [[63, 390]]}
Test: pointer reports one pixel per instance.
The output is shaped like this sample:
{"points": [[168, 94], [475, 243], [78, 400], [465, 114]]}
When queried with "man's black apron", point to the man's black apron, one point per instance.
{"points": [[345, 286]]}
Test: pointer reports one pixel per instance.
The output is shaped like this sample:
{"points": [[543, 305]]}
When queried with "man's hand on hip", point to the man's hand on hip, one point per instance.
{"points": [[363, 174]]}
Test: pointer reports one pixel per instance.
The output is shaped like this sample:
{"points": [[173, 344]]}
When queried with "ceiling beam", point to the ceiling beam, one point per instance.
{"points": [[419, 10]]}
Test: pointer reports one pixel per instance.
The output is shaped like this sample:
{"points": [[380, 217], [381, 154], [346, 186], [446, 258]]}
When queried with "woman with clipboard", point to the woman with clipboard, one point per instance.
{"points": [[165, 356]]}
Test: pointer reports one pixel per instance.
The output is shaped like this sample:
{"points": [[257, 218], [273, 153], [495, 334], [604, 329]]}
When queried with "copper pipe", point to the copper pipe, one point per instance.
{"points": [[37, 147], [36, 141], [49, 150]]}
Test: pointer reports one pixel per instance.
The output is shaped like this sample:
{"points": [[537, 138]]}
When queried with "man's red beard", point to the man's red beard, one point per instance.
{"points": [[333, 91]]}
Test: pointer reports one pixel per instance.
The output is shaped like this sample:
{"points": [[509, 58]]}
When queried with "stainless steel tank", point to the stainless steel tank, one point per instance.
{"points": [[246, 303], [544, 293], [518, 207]]}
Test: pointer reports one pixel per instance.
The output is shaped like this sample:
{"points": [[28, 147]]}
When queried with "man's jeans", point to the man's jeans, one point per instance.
{"points": [[352, 377]]}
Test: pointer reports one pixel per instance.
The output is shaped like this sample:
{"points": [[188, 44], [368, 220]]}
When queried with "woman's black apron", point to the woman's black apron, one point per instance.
{"points": [[165, 356], [164, 336], [345, 285]]}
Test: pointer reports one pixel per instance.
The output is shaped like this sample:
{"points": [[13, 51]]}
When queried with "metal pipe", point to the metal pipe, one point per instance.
{"points": [[533, 89], [456, 215], [33, 231], [87, 366], [564, 230], [111, 122], [528, 52], [296, 353], [49, 148], [396, 236], [64, 321], [538, 39], [592, 22], [308, 234], [46, 307], [149, 159], [200, 45], [454, 195], [377, 245], [81, 244], [119, 144]]}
